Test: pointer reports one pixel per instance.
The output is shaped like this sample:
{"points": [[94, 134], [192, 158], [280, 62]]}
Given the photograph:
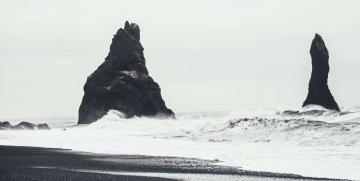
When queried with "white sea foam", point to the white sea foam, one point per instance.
{"points": [[311, 141]]}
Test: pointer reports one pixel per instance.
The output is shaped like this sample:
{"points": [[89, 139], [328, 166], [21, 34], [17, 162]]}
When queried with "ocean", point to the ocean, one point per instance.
{"points": [[311, 141]]}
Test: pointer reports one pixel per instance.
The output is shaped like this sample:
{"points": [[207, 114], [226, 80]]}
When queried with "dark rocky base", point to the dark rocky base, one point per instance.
{"points": [[23, 126]]}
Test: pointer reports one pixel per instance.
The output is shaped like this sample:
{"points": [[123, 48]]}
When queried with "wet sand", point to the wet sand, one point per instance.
{"points": [[34, 163]]}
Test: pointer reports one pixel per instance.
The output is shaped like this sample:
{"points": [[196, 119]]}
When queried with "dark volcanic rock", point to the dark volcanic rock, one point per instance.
{"points": [[319, 93], [122, 82], [25, 125], [43, 126], [5, 125]]}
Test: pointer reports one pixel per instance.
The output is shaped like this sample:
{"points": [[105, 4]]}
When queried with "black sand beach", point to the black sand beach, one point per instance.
{"points": [[33, 163]]}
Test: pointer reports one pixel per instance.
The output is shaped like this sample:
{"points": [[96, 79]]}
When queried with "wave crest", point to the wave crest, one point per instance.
{"points": [[309, 126]]}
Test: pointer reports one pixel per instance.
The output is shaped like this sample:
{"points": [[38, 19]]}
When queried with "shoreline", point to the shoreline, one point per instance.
{"points": [[37, 163]]}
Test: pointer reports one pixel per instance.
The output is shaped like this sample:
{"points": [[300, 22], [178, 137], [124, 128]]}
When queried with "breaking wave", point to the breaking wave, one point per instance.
{"points": [[311, 142], [312, 125]]}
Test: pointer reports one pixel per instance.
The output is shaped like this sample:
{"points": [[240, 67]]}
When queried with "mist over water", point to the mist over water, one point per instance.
{"points": [[312, 141]]}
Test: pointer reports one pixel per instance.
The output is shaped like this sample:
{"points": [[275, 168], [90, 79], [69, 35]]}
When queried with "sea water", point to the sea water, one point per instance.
{"points": [[311, 142]]}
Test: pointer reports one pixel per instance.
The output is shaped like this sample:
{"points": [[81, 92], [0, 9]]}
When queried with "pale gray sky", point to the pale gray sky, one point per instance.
{"points": [[206, 55]]}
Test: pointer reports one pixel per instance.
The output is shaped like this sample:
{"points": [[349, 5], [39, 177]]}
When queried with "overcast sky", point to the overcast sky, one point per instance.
{"points": [[206, 55]]}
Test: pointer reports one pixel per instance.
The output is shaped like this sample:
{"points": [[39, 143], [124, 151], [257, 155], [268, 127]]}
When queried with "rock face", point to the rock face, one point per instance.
{"points": [[122, 82], [5, 125], [43, 127], [23, 126], [319, 93]]}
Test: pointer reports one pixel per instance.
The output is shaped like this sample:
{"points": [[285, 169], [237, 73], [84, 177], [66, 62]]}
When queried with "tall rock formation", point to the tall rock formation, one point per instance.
{"points": [[319, 93], [122, 82]]}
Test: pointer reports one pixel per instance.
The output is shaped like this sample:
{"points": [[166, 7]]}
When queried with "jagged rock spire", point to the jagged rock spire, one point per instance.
{"points": [[133, 29], [319, 93], [122, 82]]}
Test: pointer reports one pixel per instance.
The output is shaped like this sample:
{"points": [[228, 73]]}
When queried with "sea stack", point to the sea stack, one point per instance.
{"points": [[319, 93], [122, 82]]}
